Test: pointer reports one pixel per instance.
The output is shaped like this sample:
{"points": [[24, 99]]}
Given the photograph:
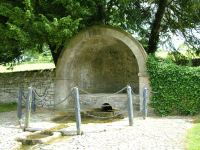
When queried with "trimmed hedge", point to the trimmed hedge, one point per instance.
{"points": [[177, 88]]}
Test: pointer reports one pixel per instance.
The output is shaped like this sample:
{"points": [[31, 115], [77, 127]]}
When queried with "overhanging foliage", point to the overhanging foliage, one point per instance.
{"points": [[30, 24]]}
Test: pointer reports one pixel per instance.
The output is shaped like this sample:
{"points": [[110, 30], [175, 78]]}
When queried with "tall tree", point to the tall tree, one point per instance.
{"points": [[30, 24], [156, 26]]}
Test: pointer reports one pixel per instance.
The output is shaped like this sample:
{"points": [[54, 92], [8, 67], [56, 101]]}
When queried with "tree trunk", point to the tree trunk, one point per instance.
{"points": [[101, 12], [155, 27], [55, 53]]}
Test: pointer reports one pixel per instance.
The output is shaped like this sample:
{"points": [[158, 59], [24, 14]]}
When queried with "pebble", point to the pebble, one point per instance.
{"points": [[149, 134], [167, 133]]}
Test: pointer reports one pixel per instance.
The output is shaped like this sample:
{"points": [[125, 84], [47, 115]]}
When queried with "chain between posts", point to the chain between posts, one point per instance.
{"points": [[43, 97], [29, 102], [130, 103], [106, 97], [32, 91]]}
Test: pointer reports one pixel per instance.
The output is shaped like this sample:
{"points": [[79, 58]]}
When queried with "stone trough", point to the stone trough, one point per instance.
{"points": [[90, 102], [47, 132], [105, 112]]}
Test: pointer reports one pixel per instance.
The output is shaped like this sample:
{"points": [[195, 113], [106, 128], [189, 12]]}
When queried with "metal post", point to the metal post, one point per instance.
{"points": [[144, 103], [28, 107], [77, 109], [19, 106], [33, 103], [130, 106]]}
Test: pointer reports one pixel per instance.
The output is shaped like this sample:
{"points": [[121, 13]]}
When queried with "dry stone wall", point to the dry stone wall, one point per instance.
{"points": [[39, 79], [42, 80]]}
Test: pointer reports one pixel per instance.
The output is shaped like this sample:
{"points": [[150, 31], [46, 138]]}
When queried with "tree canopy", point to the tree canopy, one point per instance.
{"points": [[33, 24]]}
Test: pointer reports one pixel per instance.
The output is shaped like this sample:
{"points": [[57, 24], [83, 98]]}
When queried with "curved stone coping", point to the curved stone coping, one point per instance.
{"points": [[50, 138], [25, 140]]}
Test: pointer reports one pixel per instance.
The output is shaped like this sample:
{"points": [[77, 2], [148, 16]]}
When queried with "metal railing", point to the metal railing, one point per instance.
{"points": [[32, 99]]}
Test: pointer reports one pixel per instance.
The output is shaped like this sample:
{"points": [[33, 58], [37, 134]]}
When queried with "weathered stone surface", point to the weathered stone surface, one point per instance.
{"points": [[150, 134], [39, 79], [91, 101], [101, 59], [38, 138], [163, 133]]}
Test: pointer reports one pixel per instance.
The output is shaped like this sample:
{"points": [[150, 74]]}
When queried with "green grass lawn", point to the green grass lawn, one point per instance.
{"points": [[7, 107], [193, 137]]}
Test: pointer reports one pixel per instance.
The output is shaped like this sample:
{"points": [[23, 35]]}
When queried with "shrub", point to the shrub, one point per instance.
{"points": [[177, 87]]}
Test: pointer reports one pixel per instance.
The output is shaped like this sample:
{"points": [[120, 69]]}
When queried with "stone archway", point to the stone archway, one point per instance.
{"points": [[101, 59]]}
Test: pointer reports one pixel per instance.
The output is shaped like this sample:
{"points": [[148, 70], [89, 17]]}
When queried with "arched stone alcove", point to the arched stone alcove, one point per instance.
{"points": [[101, 59]]}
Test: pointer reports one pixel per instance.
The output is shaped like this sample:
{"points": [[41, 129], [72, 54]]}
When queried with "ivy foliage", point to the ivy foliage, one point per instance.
{"points": [[177, 88]]}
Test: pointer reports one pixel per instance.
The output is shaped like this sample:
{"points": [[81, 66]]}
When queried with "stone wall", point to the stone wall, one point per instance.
{"points": [[39, 79]]}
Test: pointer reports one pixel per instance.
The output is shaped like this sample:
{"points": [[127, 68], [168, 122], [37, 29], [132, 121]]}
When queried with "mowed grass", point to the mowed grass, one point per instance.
{"points": [[5, 107], [193, 136], [27, 67]]}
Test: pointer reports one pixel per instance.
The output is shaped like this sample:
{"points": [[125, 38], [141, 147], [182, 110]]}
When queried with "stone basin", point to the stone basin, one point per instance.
{"points": [[98, 113]]}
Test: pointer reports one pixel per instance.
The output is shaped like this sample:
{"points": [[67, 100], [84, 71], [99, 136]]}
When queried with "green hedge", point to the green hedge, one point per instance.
{"points": [[177, 88]]}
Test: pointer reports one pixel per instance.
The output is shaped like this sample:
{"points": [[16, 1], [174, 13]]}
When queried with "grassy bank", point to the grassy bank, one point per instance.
{"points": [[193, 136], [7, 107]]}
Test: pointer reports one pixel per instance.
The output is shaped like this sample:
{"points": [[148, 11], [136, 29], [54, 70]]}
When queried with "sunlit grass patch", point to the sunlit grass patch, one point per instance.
{"points": [[5, 107], [193, 136]]}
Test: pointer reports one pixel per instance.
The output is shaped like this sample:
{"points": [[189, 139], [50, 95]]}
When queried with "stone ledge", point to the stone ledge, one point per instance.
{"points": [[26, 139]]}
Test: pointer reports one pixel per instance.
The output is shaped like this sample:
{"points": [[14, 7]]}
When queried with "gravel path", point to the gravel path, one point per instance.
{"points": [[9, 130], [151, 134]]}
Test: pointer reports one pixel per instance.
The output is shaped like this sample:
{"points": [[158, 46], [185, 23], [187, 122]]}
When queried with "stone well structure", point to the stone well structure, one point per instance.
{"points": [[101, 59]]}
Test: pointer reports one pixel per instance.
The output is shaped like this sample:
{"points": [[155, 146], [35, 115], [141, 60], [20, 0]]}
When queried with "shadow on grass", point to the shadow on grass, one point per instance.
{"points": [[6, 107], [196, 119]]}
